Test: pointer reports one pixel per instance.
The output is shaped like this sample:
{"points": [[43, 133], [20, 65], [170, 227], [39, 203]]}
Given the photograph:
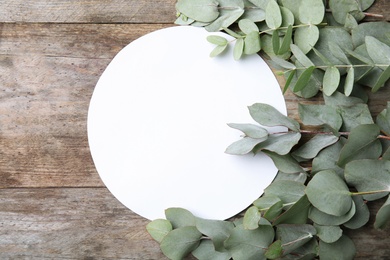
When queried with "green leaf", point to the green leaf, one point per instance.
{"points": [[250, 130], [329, 234], [247, 26], [282, 63], [321, 218], [293, 236], [298, 176], [252, 43], [320, 115], [311, 11], [274, 211], [331, 80], [275, 250], [267, 115], [340, 9], [338, 99], [275, 41], [265, 202], [338, 53], [377, 30], [349, 81], [360, 138], [327, 158], [250, 244], [306, 37], [206, 250], [273, 16], [301, 57], [311, 148], [159, 228], [383, 216], [252, 217], [217, 230], [238, 49], [379, 52], [254, 14], [296, 214], [285, 46], [230, 11], [285, 163], [200, 10], [280, 143], [354, 116], [369, 176], [329, 193], [244, 145], [362, 214], [382, 79], [260, 3], [293, 6], [287, 18], [343, 248], [289, 80], [350, 22], [218, 50], [303, 79], [217, 40], [287, 191], [180, 242], [180, 217], [383, 120]]}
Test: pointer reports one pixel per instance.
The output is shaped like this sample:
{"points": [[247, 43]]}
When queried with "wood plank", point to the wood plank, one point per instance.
{"points": [[93, 11], [83, 223]]}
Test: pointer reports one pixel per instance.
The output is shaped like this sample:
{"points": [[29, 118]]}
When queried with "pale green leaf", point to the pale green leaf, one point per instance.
{"points": [[298, 176], [327, 159], [227, 16], [289, 80], [247, 244], [274, 211], [329, 234], [273, 15], [362, 214], [301, 57], [379, 52], [252, 217], [287, 191], [180, 217], [349, 81], [321, 218], [287, 17], [159, 228], [250, 130], [331, 80], [383, 216], [206, 250], [254, 14], [180, 242], [260, 3], [218, 50], [244, 145], [252, 43], [282, 63], [369, 176], [303, 79], [359, 140], [350, 22], [238, 49], [383, 119], [294, 236], [280, 144], [385, 75], [377, 30], [329, 193], [365, 4], [338, 53], [285, 163], [343, 248], [311, 11], [340, 8], [293, 6], [311, 148], [265, 202], [200, 10], [217, 40], [355, 115], [296, 214], [320, 115], [306, 37], [247, 26], [338, 99], [217, 230], [267, 115]]}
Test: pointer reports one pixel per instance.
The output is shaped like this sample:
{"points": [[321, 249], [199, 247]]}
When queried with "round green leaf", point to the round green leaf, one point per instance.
{"points": [[247, 26], [343, 248], [159, 228], [252, 217], [329, 234], [280, 144], [331, 80], [180, 217], [238, 49], [329, 193], [218, 50], [293, 236], [243, 146], [311, 11], [252, 43], [324, 219], [200, 10], [273, 15], [217, 40], [287, 191], [362, 214], [383, 216], [340, 9], [250, 130], [306, 37], [217, 230], [180, 242]]}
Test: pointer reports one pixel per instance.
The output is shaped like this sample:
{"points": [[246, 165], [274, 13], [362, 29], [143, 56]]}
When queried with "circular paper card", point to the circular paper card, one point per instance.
{"points": [[157, 125]]}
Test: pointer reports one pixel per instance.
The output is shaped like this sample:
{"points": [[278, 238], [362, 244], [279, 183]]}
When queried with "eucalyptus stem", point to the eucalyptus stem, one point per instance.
{"points": [[368, 192]]}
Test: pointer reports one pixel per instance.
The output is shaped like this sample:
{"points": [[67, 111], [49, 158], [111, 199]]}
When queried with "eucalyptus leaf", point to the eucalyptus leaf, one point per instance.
{"points": [[377, 30], [311, 11], [285, 163], [343, 248], [285, 46], [287, 17], [340, 8], [260, 3], [294, 236], [275, 250], [329, 193], [200, 10], [354, 116], [329, 234], [250, 130], [273, 15], [339, 100], [244, 145], [249, 244], [350, 22], [338, 53], [327, 159], [287, 191], [382, 79], [247, 26], [254, 14], [159, 228], [349, 81], [227, 15], [267, 115], [275, 41], [252, 217], [383, 120], [301, 57], [217, 230], [296, 214], [252, 43], [293, 6], [372, 177], [306, 37], [206, 250], [383, 215], [180, 242], [331, 80], [360, 139], [265, 202], [320, 115], [379, 52], [274, 211], [289, 79], [238, 49], [303, 79], [218, 50], [217, 40], [362, 214], [313, 85], [321, 218], [299, 176], [180, 217], [311, 148], [282, 63], [279, 143]]}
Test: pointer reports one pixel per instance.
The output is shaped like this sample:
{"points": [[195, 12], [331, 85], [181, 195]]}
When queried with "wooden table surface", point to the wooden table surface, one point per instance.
{"points": [[53, 204]]}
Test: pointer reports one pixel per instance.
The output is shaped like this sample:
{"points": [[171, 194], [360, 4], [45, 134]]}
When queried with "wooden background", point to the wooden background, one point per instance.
{"points": [[52, 203]]}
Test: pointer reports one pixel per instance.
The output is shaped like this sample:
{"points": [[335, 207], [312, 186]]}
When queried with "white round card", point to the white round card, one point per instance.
{"points": [[157, 125]]}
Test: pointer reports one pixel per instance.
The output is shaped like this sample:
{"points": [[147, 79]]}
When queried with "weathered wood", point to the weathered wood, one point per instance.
{"points": [[95, 11], [88, 223]]}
